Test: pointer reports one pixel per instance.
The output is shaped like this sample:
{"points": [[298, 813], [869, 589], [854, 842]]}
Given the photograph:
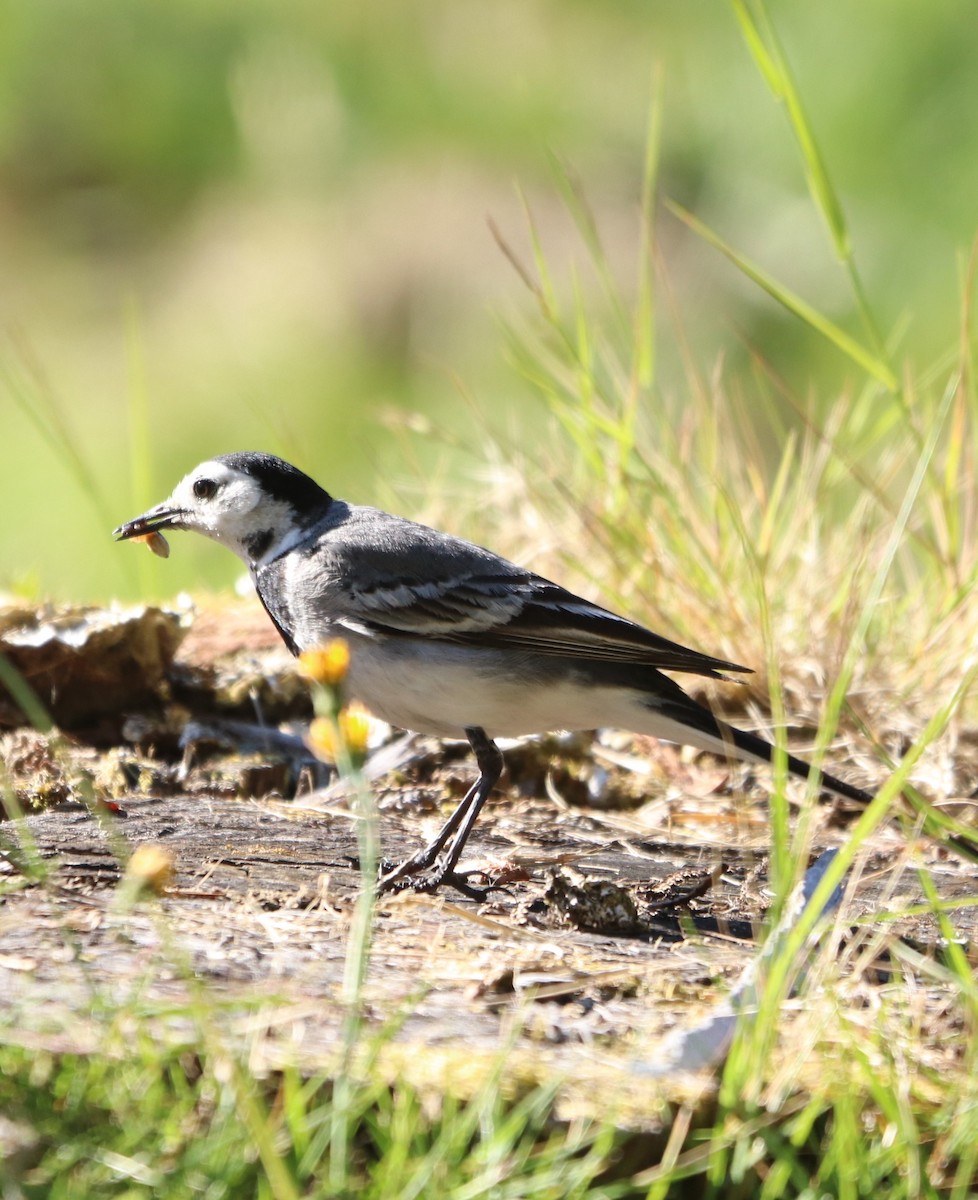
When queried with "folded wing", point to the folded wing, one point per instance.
{"points": [[402, 578]]}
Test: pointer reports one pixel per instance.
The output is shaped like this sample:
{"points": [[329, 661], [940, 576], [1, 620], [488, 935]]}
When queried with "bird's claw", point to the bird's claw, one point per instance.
{"points": [[430, 881], [429, 884], [394, 878]]}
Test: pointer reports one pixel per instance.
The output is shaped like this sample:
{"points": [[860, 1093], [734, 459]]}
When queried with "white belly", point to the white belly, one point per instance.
{"points": [[442, 689], [446, 702]]}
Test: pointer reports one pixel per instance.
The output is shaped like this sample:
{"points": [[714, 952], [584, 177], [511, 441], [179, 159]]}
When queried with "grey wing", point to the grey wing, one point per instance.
{"points": [[555, 621], [403, 578]]}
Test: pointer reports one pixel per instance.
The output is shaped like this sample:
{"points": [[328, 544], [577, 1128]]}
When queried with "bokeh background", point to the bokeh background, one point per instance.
{"points": [[251, 225]]}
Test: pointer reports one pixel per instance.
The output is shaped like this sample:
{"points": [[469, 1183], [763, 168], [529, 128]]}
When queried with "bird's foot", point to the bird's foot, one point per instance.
{"points": [[419, 876], [431, 881]]}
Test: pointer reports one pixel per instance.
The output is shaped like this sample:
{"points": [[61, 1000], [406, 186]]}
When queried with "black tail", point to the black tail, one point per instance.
{"points": [[747, 744], [719, 737], [751, 746]]}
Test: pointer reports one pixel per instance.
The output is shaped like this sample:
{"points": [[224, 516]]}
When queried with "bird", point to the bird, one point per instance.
{"points": [[446, 637]]}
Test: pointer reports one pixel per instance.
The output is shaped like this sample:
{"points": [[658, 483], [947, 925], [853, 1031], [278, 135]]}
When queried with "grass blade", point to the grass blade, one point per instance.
{"points": [[859, 354]]}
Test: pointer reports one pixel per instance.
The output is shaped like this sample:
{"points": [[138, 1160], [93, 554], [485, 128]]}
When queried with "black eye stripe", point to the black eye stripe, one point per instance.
{"points": [[204, 488]]}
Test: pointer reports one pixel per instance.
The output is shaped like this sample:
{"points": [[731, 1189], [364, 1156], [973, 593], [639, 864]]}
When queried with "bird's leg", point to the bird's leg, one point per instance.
{"points": [[490, 762], [455, 832], [423, 858]]}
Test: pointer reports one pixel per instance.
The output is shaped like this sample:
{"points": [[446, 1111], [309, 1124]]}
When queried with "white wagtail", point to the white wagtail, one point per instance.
{"points": [[445, 637]]}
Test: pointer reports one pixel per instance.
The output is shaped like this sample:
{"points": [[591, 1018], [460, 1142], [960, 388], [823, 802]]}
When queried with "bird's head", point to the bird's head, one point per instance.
{"points": [[255, 504]]}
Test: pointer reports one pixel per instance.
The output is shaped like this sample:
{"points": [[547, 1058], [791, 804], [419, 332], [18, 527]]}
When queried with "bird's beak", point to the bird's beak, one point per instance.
{"points": [[163, 516]]}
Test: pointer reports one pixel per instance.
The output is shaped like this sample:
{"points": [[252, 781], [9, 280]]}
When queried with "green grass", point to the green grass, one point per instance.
{"points": [[828, 540], [141, 1121]]}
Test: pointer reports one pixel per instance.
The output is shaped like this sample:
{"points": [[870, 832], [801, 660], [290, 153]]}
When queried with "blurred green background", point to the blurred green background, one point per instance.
{"points": [[249, 225]]}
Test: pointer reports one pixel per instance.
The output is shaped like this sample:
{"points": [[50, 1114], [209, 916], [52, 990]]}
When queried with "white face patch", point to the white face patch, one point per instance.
{"points": [[231, 507]]}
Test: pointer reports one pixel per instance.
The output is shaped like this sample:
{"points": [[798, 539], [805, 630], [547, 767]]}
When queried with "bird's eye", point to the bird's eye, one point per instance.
{"points": [[204, 488]]}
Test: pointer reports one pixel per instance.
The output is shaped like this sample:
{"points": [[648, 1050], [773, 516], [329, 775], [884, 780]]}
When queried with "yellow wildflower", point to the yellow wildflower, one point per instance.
{"points": [[347, 736], [150, 869], [326, 664]]}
